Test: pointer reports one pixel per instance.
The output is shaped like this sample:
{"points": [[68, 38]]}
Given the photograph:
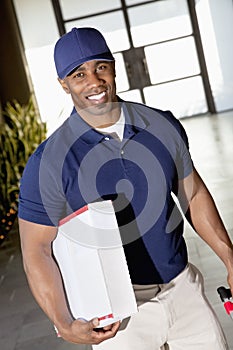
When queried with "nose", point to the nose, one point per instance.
{"points": [[94, 79]]}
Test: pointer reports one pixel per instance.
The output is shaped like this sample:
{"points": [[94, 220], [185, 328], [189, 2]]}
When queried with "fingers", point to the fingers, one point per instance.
{"points": [[107, 328], [86, 332], [105, 333], [95, 322]]}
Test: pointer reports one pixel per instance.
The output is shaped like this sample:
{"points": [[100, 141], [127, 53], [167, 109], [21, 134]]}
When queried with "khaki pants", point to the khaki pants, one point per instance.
{"points": [[174, 316]]}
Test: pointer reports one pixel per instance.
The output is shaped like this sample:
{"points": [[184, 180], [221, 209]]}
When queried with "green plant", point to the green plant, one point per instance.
{"points": [[21, 131]]}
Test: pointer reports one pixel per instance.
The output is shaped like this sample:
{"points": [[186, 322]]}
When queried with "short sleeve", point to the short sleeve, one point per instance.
{"points": [[184, 161], [34, 205]]}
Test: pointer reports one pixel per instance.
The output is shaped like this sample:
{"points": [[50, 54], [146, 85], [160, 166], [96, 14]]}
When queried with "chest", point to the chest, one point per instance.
{"points": [[138, 168]]}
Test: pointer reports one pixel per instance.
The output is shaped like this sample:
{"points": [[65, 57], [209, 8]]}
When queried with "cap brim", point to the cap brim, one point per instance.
{"points": [[102, 57]]}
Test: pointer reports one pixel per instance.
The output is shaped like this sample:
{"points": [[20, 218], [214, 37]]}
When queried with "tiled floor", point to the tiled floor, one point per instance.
{"points": [[24, 327], [211, 145]]}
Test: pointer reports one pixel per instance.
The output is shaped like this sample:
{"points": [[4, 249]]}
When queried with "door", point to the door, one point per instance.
{"points": [[157, 62]]}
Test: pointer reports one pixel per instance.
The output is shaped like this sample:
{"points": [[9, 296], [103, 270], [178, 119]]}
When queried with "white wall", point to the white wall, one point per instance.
{"points": [[39, 33]]}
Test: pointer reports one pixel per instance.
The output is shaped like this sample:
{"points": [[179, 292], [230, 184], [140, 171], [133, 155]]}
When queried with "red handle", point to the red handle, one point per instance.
{"points": [[228, 306]]}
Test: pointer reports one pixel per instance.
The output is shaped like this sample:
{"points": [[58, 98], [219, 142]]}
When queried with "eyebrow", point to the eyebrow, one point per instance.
{"points": [[96, 64], [81, 68], [75, 70]]}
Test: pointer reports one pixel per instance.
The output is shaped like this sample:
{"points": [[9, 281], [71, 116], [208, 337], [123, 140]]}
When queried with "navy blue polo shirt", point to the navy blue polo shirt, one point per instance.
{"points": [[77, 165]]}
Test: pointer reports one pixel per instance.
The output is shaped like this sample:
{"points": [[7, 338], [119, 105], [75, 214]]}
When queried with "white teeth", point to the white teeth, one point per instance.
{"points": [[97, 97]]}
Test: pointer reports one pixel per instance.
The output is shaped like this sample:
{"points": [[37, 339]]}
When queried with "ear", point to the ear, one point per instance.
{"points": [[114, 68], [64, 85]]}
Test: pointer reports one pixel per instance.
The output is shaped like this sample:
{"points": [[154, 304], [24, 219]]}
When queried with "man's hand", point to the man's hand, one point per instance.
{"points": [[86, 332]]}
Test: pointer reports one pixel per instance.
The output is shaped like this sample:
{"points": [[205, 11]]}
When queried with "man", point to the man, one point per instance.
{"points": [[138, 157]]}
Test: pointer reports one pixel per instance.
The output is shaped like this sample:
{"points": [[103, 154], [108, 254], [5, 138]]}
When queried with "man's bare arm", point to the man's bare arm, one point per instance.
{"points": [[46, 285], [204, 217]]}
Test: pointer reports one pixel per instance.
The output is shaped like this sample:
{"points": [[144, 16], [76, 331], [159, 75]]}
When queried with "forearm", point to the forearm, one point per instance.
{"points": [[207, 222], [46, 285], [201, 211]]}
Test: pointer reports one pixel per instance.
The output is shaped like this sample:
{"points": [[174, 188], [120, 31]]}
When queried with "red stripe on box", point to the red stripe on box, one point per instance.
{"points": [[71, 216], [105, 317]]}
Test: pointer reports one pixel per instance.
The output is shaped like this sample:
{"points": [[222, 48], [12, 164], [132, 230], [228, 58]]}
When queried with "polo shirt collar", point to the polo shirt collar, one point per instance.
{"points": [[134, 123]]}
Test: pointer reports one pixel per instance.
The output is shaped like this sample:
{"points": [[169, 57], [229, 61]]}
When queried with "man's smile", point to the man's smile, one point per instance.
{"points": [[97, 97]]}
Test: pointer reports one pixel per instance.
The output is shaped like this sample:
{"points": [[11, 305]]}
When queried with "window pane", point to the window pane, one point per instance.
{"points": [[172, 60], [111, 25], [73, 8], [37, 22], [215, 19], [122, 82], [131, 95], [133, 2], [159, 21], [184, 97], [54, 104]]}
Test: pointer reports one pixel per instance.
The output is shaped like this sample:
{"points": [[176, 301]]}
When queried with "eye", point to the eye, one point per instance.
{"points": [[78, 75], [102, 67]]}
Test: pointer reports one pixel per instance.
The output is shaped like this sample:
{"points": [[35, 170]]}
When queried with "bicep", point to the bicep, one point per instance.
{"points": [[190, 187], [36, 238]]}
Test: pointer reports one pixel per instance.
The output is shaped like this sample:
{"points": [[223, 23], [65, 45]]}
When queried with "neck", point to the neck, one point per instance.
{"points": [[101, 120]]}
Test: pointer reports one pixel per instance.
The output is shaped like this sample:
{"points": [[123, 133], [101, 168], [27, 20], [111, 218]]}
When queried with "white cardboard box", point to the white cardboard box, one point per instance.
{"points": [[89, 252]]}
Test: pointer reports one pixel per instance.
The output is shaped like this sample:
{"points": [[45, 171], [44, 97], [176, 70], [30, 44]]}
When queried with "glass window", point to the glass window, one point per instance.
{"points": [[183, 98], [159, 21], [37, 22], [111, 25], [74, 8], [172, 60], [54, 104], [122, 82], [131, 95], [215, 19], [133, 2]]}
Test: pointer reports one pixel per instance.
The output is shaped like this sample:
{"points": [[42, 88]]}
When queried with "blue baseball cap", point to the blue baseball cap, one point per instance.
{"points": [[77, 47]]}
